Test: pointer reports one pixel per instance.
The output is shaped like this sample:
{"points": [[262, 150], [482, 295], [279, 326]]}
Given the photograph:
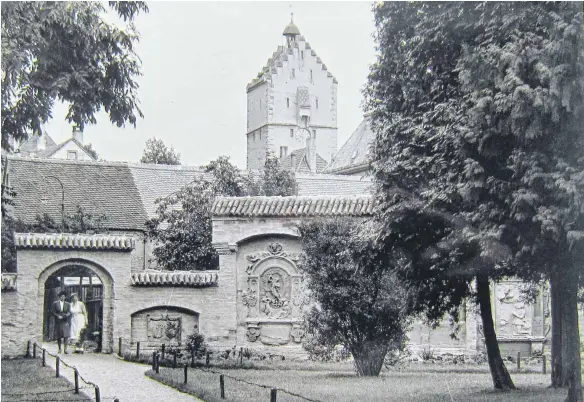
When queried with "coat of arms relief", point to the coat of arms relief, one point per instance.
{"points": [[275, 296]]}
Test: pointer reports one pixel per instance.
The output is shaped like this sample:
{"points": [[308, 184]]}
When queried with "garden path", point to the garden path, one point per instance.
{"points": [[116, 378]]}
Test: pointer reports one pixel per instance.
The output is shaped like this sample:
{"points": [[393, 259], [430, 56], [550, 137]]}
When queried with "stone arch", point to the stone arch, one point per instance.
{"points": [[284, 233], [108, 295], [168, 324]]}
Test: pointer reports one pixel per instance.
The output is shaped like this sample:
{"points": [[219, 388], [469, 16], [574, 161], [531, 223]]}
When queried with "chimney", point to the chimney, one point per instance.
{"points": [[292, 162], [311, 151], [78, 134]]}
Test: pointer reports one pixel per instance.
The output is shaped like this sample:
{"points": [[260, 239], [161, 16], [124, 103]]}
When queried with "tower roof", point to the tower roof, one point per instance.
{"points": [[291, 29]]}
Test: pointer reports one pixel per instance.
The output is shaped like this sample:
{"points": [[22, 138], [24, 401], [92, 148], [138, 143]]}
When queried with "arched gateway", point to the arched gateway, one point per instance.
{"points": [[47, 262]]}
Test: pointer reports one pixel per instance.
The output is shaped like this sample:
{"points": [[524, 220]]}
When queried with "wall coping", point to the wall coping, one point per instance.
{"points": [[175, 278], [73, 241], [9, 281], [361, 205]]}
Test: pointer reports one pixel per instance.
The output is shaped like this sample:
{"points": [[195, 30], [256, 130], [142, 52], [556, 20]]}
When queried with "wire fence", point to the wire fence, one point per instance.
{"points": [[180, 359], [88, 388]]}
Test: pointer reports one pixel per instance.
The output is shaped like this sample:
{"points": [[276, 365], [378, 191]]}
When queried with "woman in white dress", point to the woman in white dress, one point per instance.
{"points": [[78, 319]]}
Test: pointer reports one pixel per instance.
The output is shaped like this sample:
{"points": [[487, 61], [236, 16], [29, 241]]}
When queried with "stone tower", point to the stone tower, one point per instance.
{"points": [[292, 104]]}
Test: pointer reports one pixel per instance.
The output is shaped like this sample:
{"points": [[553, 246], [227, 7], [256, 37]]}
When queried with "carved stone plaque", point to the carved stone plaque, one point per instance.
{"points": [[164, 329]]}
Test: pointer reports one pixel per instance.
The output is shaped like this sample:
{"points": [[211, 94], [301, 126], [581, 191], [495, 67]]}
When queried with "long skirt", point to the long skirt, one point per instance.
{"points": [[77, 325]]}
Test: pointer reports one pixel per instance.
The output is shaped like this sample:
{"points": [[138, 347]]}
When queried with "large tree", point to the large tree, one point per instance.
{"points": [[68, 52], [157, 152], [359, 301], [477, 108]]}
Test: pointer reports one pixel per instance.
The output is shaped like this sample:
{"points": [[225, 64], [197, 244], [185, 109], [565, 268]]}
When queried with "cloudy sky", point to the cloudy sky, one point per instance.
{"points": [[198, 58]]}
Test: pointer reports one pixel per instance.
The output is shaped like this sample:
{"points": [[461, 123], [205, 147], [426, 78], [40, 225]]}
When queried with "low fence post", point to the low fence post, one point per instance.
{"points": [[544, 365], [186, 372], [44, 357], [34, 347], [222, 385], [208, 358], [518, 361], [57, 365], [97, 394], [241, 356], [76, 380], [157, 364], [174, 360], [193, 358], [163, 351], [153, 360], [273, 395], [120, 346], [28, 349], [138, 349]]}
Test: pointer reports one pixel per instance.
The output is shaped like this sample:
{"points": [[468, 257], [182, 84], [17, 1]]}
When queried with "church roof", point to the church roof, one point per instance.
{"points": [[32, 143], [125, 192], [354, 154]]}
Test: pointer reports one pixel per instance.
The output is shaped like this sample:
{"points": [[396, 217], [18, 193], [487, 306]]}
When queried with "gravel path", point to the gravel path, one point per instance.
{"points": [[116, 378]]}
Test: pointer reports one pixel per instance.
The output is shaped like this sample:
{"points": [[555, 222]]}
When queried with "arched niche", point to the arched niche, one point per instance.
{"points": [[274, 296], [163, 324], [106, 337]]}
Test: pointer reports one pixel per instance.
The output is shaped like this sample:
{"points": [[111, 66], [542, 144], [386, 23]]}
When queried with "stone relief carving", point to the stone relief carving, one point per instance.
{"points": [[513, 317], [253, 332], [275, 296], [275, 293], [274, 249], [164, 328]]}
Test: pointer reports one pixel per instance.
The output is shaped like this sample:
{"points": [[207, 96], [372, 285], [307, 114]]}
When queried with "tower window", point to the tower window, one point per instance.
{"points": [[293, 73], [254, 136], [291, 133], [317, 103], [302, 54], [311, 76], [260, 103], [72, 155], [287, 102]]}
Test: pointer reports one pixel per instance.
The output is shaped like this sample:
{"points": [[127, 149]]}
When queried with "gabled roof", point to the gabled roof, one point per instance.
{"points": [[353, 155], [54, 150], [32, 143], [301, 162]]}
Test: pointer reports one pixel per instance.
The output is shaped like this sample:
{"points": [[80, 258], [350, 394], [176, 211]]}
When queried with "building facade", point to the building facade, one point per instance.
{"points": [[292, 104]]}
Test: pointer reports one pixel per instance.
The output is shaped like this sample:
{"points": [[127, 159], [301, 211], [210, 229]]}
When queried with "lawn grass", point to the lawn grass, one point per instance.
{"points": [[416, 382], [26, 379]]}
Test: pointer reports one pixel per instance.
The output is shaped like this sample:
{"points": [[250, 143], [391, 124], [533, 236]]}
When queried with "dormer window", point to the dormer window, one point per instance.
{"points": [[71, 155]]}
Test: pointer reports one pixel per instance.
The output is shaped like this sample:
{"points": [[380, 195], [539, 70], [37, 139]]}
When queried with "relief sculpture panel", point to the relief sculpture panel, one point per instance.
{"points": [[514, 315], [274, 297]]}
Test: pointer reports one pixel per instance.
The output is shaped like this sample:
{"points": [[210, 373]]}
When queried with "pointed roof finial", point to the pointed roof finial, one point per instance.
{"points": [[291, 29]]}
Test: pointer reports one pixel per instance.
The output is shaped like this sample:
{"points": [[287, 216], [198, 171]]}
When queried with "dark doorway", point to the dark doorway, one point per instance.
{"points": [[87, 285]]}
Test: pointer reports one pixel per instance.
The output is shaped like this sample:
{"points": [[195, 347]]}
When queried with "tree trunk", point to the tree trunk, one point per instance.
{"points": [[572, 338], [560, 366], [499, 373], [369, 357]]}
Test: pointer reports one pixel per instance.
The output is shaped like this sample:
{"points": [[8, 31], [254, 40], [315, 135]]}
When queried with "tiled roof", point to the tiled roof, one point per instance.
{"points": [[8, 281], [301, 162], [332, 185], [293, 206], [175, 278], [72, 241], [158, 181], [99, 188], [354, 153], [32, 143]]}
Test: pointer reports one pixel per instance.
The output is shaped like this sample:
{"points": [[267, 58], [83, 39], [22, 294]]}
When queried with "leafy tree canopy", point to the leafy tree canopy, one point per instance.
{"points": [[359, 300], [157, 152], [66, 51]]}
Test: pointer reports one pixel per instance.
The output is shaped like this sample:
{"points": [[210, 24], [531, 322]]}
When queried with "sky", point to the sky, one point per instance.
{"points": [[198, 57]]}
